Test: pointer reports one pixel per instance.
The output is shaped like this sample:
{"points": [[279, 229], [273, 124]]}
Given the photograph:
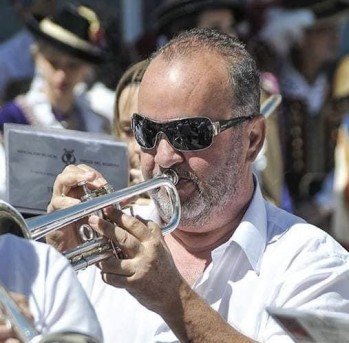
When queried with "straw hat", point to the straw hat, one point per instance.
{"points": [[76, 30]]}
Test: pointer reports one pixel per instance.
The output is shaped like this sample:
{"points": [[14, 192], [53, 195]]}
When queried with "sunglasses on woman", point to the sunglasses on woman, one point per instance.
{"points": [[184, 134]]}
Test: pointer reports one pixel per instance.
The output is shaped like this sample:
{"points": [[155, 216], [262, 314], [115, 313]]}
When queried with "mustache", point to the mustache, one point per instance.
{"points": [[186, 174]]}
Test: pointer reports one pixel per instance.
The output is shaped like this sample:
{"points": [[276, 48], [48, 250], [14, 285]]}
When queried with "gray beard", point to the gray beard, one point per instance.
{"points": [[211, 196]]}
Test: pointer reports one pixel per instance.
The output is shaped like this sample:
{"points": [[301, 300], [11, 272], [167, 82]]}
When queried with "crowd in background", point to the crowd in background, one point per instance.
{"points": [[69, 67], [300, 48]]}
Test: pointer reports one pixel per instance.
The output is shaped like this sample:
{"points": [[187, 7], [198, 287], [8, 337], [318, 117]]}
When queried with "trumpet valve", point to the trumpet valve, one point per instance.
{"points": [[86, 233]]}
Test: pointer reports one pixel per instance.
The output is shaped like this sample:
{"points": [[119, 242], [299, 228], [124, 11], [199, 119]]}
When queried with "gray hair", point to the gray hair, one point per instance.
{"points": [[242, 69]]}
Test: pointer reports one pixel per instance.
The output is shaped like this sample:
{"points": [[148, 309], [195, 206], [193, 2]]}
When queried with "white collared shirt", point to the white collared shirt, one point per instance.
{"points": [[272, 259]]}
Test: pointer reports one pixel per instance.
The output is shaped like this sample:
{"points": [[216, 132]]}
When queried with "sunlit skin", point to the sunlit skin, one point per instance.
{"points": [[61, 73], [220, 19]]}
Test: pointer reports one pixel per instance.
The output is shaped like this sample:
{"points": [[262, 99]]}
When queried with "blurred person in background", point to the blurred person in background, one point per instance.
{"points": [[126, 103], [100, 89], [175, 16], [305, 35], [45, 288], [65, 50], [16, 61]]}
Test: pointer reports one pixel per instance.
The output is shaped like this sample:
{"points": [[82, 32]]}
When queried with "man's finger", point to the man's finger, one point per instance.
{"points": [[125, 268], [136, 226], [129, 244]]}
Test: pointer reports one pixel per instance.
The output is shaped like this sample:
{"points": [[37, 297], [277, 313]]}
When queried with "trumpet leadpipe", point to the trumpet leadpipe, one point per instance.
{"points": [[40, 226]]}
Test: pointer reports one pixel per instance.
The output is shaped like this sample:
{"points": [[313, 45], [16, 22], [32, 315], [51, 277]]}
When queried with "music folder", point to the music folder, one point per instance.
{"points": [[35, 156], [312, 326]]}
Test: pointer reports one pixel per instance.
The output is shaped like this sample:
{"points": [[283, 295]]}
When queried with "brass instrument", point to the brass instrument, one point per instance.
{"points": [[97, 249], [25, 330]]}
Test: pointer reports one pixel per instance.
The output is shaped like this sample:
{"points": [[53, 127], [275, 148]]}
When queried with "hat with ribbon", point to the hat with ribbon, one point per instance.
{"points": [[75, 30], [174, 10]]}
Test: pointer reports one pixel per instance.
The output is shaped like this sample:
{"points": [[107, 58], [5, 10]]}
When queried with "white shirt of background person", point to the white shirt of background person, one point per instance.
{"points": [[56, 298]]}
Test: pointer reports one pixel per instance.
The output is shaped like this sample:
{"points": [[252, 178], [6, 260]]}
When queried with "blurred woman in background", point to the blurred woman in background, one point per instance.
{"points": [[126, 102]]}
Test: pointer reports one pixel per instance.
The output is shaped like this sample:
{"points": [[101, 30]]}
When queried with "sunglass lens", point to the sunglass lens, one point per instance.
{"points": [[193, 134], [144, 131], [184, 134]]}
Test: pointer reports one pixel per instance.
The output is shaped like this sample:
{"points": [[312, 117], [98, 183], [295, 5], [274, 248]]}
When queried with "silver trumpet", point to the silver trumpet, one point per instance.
{"points": [[24, 329], [98, 249]]}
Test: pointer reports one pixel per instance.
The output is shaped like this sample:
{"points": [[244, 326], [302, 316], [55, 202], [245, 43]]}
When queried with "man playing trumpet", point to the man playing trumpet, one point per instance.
{"points": [[232, 254]]}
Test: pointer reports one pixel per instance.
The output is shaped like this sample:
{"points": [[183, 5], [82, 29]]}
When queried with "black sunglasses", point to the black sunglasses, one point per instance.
{"points": [[184, 134]]}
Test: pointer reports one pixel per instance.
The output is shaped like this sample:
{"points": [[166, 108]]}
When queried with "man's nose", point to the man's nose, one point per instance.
{"points": [[166, 155]]}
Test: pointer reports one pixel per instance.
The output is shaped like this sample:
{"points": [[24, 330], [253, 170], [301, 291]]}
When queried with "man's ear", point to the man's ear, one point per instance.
{"points": [[256, 136]]}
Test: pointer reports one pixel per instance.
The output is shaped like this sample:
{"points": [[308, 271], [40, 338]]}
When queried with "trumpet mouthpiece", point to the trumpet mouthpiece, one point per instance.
{"points": [[172, 175]]}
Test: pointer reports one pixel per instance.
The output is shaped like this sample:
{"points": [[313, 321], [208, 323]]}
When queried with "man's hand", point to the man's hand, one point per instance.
{"points": [[148, 272], [66, 193]]}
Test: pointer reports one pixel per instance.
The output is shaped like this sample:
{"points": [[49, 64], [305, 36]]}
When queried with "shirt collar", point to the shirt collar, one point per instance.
{"points": [[251, 234]]}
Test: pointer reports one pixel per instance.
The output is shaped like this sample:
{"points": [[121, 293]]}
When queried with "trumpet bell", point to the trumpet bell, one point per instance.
{"points": [[11, 221]]}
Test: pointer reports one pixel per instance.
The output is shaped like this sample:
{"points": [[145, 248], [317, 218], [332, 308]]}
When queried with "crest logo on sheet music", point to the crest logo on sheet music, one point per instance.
{"points": [[68, 157]]}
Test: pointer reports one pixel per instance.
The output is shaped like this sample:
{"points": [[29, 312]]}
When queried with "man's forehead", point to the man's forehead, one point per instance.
{"points": [[198, 63], [163, 73], [188, 71], [181, 87]]}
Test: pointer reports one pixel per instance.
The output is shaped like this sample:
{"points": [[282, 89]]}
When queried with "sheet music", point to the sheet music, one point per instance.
{"points": [[310, 327], [35, 156]]}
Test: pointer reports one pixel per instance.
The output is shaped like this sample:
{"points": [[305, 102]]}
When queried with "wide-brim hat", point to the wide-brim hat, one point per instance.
{"points": [[323, 10], [75, 30], [174, 10]]}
